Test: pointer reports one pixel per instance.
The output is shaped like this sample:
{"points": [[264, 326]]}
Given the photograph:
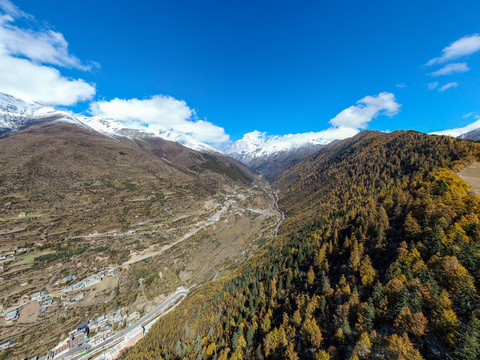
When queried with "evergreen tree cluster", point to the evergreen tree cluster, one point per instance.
{"points": [[379, 258]]}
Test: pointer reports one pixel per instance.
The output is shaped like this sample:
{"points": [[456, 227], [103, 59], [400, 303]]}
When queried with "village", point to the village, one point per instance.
{"points": [[66, 297], [106, 331], [93, 332], [114, 328], [107, 336]]}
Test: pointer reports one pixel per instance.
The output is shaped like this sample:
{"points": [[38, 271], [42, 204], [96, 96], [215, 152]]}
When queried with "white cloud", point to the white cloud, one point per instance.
{"points": [[160, 113], [46, 47], [28, 57], [465, 46], [401, 85], [22, 78], [368, 108], [448, 86], [346, 124], [467, 115], [432, 85], [11, 9], [451, 68]]}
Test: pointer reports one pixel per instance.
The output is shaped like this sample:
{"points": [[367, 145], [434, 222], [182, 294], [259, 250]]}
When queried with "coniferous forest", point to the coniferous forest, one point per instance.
{"points": [[378, 258]]}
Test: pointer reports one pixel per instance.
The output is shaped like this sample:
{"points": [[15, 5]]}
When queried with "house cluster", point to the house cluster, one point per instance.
{"points": [[46, 304], [12, 315], [75, 338], [83, 284], [102, 327], [105, 323], [78, 297], [38, 296], [10, 255], [64, 280]]}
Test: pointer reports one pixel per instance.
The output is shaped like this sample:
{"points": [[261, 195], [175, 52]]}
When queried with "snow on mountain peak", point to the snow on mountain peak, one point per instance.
{"points": [[458, 132], [258, 144], [16, 113], [112, 127], [187, 141]]}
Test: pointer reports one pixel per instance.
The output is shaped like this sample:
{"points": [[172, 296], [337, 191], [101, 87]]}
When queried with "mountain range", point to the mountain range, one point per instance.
{"points": [[268, 156], [16, 114]]}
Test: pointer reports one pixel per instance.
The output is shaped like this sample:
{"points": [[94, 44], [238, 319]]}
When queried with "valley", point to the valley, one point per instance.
{"points": [[199, 245], [114, 230]]}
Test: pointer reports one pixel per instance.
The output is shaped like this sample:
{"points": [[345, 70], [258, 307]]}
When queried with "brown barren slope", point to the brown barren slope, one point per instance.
{"points": [[471, 174]]}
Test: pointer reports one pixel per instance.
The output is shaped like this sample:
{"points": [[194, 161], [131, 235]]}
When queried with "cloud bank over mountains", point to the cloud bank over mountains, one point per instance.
{"points": [[160, 113]]}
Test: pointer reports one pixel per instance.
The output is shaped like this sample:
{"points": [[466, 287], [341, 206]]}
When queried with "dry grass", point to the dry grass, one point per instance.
{"points": [[471, 174]]}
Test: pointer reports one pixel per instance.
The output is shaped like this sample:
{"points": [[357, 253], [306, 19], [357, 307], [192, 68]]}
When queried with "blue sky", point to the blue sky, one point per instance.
{"points": [[279, 67]]}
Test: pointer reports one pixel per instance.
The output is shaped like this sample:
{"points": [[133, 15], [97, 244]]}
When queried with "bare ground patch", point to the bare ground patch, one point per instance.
{"points": [[471, 174], [29, 313]]}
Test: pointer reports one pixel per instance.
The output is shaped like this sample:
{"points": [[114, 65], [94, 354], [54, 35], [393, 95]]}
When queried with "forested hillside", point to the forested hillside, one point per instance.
{"points": [[379, 258]]}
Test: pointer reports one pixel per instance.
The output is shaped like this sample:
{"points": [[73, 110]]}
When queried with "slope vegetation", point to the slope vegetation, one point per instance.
{"points": [[378, 258]]}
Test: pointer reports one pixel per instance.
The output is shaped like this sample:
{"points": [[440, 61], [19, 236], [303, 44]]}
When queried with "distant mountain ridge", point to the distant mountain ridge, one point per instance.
{"points": [[469, 132], [267, 156], [271, 156], [17, 114], [272, 165]]}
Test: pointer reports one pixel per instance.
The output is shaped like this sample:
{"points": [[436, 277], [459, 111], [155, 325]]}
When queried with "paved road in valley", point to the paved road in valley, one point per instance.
{"points": [[181, 292]]}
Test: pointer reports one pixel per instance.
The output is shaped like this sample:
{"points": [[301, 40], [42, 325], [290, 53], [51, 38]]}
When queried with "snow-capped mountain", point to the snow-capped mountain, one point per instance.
{"points": [[257, 145], [469, 132], [270, 155], [16, 114]]}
